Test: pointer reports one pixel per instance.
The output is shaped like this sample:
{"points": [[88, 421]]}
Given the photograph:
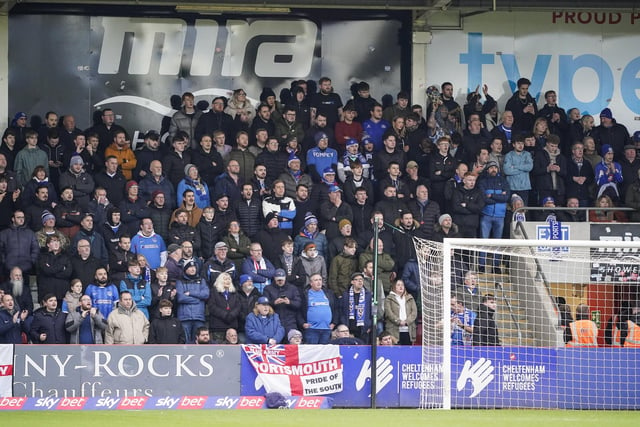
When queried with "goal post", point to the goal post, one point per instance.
{"points": [[538, 330]]}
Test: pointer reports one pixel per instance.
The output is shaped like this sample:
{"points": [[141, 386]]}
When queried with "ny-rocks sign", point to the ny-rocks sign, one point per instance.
{"points": [[589, 59], [76, 64], [125, 371]]}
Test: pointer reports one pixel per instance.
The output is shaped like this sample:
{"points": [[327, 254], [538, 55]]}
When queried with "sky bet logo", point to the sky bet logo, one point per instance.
{"points": [[568, 67]]}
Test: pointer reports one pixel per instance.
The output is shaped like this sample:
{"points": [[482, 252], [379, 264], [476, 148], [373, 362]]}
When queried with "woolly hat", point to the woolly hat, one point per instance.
{"points": [[156, 194], [547, 200], [320, 135], [188, 264], [46, 216], [189, 166], [292, 158], [309, 245], [328, 170], [173, 247], [351, 141], [20, 115], [606, 113], [266, 92], [76, 160], [515, 198], [606, 148], [130, 184], [270, 216], [443, 217], [245, 278], [310, 218], [294, 333]]}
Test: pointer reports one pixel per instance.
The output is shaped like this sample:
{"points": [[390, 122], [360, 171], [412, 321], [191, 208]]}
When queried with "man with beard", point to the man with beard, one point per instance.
{"points": [[390, 205], [160, 214], [103, 293], [208, 161], [327, 103], [180, 231], [120, 257], [107, 129], [403, 235], [120, 149], [15, 287], [262, 120], [495, 189], [287, 126], [36, 209], [249, 211], [86, 323]]}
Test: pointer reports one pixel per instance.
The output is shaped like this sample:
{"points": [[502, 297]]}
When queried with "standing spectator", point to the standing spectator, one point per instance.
{"points": [[162, 290], [611, 133], [149, 244], [12, 321], [120, 149], [18, 245], [327, 103], [249, 211], [185, 119], [15, 287], [193, 182], [386, 264], [580, 178], [120, 257], [240, 109], [215, 120], [517, 165], [68, 213], [238, 244], [139, 288], [523, 106], [208, 161], [462, 320], [243, 156], [608, 175], [263, 324], [103, 293], [133, 208], [313, 262], [48, 323], [106, 129], [400, 313], [292, 265], [630, 164], [192, 292], [79, 180], [495, 190], [84, 264], [285, 300], [166, 329], [319, 312], [176, 160], [112, 180], [399, 109], [160, 214], [442, 167], [85, 324], [281, 205], [151, 152], [321, 157], [29, 157], [87, 232], [406, 229], [467, 204], [54, 271], [347, 129], [310, 234], [258, 268], [342, 267], [485, 330], [126, 324], [154, 182], [208, 232], [355, 308], [550, 170]]}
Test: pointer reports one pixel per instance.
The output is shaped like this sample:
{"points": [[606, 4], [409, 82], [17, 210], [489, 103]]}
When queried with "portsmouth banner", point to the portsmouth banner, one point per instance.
{"points": [[6, 369], [308, 370]]}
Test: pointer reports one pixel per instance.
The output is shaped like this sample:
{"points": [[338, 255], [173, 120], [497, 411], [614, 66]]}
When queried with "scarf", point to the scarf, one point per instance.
{"points": [[288, 261], [296, 175], [356, 310], [201, 190], [305, 233], [554, 175]]}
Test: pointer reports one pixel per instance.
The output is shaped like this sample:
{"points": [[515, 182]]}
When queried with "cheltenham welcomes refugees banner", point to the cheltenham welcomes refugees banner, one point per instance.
{"points": [[293, 370], [6, 370]]}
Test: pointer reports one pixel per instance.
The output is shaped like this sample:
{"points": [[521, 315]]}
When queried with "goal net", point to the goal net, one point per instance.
{"points": [[530, 323]]}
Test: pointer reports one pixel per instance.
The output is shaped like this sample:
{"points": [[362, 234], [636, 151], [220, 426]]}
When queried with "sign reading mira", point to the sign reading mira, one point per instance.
{"points": [[285, 47], [114, 371]]}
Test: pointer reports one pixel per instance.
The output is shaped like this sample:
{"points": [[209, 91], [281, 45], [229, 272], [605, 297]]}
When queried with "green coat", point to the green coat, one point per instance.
{"points": [[392, 313]]}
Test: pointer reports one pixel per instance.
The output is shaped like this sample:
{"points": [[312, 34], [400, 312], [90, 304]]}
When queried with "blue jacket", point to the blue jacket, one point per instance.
{"points": [[191, 307], [496, 192], [202, 200], [516, 168], [260, 329], [10, 333], [140, 292]]}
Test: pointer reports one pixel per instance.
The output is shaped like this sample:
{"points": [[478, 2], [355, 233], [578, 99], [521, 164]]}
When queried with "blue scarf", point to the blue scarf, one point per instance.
{"points": [[201, 190], [356, 310]]}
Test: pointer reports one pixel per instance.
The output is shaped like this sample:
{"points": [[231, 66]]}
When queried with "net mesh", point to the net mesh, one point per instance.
{"points": [[560, 309]]}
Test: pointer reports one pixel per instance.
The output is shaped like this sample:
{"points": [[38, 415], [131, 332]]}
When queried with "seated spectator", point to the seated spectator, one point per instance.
{"points": [[606, 215], [294, 337], [263, 324], [343, 337], [386, 338], [231, 337]]}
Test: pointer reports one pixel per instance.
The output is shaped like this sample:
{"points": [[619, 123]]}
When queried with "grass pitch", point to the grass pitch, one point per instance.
{"points": [[326, 418]]}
